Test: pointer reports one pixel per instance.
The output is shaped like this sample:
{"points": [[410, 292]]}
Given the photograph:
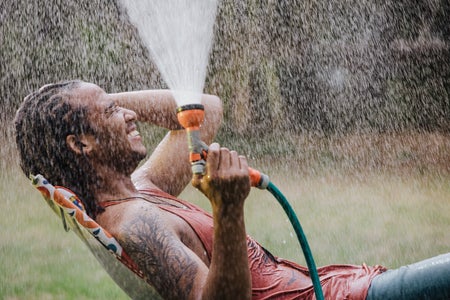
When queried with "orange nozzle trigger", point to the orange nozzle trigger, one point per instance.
{"points": [[194, 157], [198, 156]]}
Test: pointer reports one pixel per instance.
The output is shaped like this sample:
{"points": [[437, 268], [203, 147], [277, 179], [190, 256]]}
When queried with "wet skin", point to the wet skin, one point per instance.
{"points": [[163, 245]]}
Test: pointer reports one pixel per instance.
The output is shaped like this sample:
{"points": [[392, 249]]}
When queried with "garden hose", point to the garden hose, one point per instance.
{"points": [[301, 238], [191, 117]]}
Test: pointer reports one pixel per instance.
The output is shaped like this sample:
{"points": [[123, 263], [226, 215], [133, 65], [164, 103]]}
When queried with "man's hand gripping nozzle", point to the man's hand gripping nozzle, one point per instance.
{"points": [[191, 117]]}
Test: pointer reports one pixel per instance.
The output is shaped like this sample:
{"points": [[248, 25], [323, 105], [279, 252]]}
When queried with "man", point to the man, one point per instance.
{"points": [[80, 137]]}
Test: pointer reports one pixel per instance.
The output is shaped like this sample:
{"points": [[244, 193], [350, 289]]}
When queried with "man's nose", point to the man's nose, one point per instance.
{"points": [[129, 115]]}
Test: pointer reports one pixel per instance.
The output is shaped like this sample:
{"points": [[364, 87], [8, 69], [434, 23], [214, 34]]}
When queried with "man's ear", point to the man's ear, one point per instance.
{"points": [[80, 144]]}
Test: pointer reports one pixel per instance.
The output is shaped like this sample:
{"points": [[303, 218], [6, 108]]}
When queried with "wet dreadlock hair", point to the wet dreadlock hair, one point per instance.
{"points": [[42, 123]]}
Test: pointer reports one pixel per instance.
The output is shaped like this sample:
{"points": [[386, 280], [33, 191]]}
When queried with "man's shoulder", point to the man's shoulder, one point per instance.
{"points": [[132, 218]]}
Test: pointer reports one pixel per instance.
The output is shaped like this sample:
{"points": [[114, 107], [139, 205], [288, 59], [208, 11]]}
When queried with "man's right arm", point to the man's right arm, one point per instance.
{"points": [[170, 266], [227, 184], [174, 269]]}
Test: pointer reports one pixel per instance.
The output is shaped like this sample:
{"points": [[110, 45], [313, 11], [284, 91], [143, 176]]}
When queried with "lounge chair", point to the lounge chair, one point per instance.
{"points": [[105, 247]]}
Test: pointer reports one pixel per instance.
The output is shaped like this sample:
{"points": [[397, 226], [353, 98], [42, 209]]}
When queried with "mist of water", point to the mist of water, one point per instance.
{"points": [[178, 34], [340, 91]]}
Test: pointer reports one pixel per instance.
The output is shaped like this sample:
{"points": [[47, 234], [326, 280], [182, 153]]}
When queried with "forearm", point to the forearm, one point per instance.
{"points": [[159, 108], [229, 274], [151, 106], [226, 184]]}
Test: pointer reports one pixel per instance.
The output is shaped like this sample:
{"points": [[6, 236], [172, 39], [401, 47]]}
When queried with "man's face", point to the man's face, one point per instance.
{"points": [[115, 141]]}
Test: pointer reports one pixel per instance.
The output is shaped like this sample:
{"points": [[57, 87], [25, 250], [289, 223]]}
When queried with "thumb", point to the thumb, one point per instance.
{"points": [[196, 180]]}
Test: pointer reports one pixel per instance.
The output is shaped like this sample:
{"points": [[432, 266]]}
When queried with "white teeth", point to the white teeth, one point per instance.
{"points": [[134, 133]]}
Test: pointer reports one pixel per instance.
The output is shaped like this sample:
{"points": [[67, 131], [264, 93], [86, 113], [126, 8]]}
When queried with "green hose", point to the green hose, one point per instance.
{"points": [[301, 238], [190, 117]]}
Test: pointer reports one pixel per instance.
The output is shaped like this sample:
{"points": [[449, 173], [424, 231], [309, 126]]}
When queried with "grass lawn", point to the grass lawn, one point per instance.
{"points": [[38, 259], [373, 217], [381, 219]]}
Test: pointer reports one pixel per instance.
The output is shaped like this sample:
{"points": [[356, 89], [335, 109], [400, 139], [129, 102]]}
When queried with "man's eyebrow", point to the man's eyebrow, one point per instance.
{"points": [[110, 106]]}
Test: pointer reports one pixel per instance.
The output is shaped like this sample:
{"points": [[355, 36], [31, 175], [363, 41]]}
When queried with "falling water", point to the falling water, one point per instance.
{"points": [[351, 99], [178, 34]]}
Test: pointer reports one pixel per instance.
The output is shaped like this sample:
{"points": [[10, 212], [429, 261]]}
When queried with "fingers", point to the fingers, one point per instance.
{"points": [[220, 158], [196, 180], [234, 160], [222, 162], [212, 163], [226, 159], [243, 163], [227, 176]]}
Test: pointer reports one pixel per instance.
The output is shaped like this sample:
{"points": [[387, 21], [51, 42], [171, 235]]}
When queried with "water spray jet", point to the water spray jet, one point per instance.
{"points": [[180, 50]]}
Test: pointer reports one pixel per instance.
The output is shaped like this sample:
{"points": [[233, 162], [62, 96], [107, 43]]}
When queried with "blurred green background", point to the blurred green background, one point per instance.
{"points": [[344, 103]]}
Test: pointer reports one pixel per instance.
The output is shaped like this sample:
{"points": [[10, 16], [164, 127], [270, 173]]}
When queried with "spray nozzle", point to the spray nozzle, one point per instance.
{"points": [[191, 117]]}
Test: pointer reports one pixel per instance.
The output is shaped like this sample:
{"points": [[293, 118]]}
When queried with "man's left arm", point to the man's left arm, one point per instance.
{"points": [[168, 167]]}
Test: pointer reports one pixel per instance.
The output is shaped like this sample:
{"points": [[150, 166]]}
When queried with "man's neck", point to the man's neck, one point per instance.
{"points": [[113, 185]]}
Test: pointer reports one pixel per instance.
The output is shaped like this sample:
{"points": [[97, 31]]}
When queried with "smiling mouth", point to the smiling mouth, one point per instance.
{"points": [[133, 133]]}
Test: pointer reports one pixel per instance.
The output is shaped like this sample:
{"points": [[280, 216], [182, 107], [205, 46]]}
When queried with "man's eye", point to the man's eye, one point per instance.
{"points": [[111, 110]]}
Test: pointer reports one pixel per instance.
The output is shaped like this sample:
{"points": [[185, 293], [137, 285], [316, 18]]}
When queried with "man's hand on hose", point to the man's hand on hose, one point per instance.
{"points": [[226, 181]]}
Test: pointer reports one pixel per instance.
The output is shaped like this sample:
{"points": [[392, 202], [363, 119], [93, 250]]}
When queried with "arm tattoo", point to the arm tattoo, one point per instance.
{"points": [[158, 253]]}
